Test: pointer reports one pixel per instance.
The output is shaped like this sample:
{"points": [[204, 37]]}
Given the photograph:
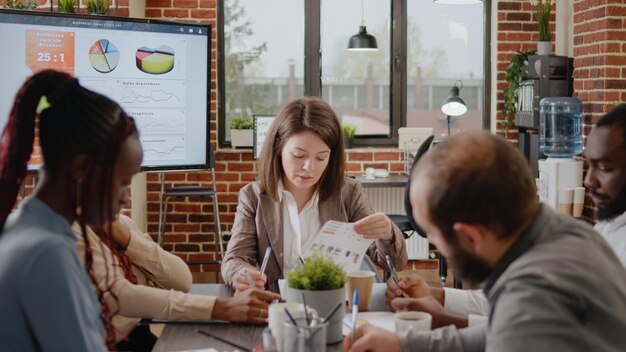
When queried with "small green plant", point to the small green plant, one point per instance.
{"points": [[318, 273], [349, 131], [543, 8], [241, 123], [515, 73], [100, 7], [19, 5], [66, 6]]}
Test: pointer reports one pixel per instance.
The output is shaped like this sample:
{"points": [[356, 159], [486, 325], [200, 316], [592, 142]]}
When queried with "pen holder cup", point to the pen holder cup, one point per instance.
{"points": [[305, 338]]}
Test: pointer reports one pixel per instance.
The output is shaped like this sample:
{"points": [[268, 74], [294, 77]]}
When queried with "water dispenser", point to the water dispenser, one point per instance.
{"points": [[560, 139]]}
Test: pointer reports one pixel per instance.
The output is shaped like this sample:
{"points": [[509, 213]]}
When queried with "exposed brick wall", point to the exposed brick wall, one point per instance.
{"points": [[599, 60], [516, 30]]}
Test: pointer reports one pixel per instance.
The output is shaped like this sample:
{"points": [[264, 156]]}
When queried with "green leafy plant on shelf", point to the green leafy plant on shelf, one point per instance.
{"points": [[66, 6], [19, 5], [241, 123], [349, 131], [543, 9], [318, 273], [99, 7], [515, 73]]}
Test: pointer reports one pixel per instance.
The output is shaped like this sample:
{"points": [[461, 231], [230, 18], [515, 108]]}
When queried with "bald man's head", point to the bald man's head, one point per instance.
{"points": [[477, 178]]}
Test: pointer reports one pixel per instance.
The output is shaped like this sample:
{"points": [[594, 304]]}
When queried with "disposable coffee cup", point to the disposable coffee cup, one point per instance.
{"points": [[420, 321], [566, 198], [579, 201], [363, 280]]}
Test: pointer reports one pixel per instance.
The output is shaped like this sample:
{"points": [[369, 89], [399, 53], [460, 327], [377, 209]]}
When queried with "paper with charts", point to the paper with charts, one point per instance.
{"points": [[338, 239]]}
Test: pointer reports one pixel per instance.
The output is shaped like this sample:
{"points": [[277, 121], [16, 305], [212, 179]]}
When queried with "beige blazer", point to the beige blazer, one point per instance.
{"points": [[259, 223]]}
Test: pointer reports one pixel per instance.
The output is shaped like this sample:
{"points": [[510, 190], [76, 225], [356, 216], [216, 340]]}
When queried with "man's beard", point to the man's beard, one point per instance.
{"points": [[466, 265], [613, 209]]}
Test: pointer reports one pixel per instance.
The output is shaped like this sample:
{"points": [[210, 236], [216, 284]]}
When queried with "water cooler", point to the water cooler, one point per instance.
{"points": [[560, 139]]}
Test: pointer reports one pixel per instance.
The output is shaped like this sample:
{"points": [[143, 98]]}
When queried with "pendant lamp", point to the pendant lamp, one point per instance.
{"points": [[362, 41]]}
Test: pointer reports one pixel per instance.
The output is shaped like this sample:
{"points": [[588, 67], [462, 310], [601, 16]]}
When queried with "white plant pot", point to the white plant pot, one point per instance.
{"points": [[241, 138], [323, 302], [544, 48]]}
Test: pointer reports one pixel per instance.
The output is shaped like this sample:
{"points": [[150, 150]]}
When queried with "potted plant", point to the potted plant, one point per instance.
{"points": [[66, 6], [515, 73], [322, 283], [98, 7], [349, 131], [19, 5], [241, 131], [543, 9]]}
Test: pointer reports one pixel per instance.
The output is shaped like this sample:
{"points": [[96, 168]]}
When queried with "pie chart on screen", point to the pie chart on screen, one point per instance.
{"points": [[104, 56], [155, 61]]}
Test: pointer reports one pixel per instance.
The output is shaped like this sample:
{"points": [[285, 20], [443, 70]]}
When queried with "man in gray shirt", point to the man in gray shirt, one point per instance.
{"points": [[551, 281]]}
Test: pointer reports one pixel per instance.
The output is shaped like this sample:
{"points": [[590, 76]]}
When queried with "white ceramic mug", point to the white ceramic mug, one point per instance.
{"points": [[413, 320]]}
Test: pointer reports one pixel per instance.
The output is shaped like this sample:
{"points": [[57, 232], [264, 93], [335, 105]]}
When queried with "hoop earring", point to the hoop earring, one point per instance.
{"points": [[79, 207]]}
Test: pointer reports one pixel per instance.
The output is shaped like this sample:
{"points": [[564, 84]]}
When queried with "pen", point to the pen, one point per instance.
{"points": [[306, 313], [394, 275], [266, 258], [293, 321], [331, 313], [247, 275], [355, 311], [221, 339]]}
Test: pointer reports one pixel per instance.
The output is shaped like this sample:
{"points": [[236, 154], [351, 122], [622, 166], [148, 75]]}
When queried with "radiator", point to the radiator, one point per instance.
{"points": [[390, 200]]}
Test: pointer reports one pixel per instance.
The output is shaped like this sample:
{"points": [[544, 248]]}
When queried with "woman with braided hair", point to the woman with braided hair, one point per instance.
{"points": [[90, 150]]}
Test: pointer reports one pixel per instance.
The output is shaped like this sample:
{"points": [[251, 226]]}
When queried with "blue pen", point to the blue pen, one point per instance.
{"points": [[355, 311]]}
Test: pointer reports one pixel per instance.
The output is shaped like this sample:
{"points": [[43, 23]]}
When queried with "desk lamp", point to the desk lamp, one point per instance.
{"points": [[454, 105]]}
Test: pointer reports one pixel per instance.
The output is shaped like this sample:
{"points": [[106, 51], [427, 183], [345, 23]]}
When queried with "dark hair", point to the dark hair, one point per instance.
{"points": [[478, 178], [615, 117], [77, 121], [304, 114]]}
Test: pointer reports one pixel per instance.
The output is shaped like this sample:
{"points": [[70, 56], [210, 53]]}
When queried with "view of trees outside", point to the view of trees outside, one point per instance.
{"points": [[450, 48], [250, 53], [264, 48]]}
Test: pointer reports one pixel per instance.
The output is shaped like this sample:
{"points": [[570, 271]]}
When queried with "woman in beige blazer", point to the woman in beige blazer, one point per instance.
{"points": [[302, 185]]}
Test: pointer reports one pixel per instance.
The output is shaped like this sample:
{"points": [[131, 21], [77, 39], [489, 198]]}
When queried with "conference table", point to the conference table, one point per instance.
{"points": [[185, 336]]}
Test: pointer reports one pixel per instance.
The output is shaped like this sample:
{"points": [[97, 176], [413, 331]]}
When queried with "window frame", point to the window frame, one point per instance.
{"points": [[312, 69]]}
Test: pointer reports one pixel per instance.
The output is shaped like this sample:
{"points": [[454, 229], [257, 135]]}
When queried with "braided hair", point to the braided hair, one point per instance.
{"points": [[78, 121]]}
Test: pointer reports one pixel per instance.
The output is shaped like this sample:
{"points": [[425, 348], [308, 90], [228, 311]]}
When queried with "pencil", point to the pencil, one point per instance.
{"points": [[221, 339]]}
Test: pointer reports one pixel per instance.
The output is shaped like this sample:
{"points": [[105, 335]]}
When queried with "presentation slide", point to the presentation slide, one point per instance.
{"points": [[157, 71]]}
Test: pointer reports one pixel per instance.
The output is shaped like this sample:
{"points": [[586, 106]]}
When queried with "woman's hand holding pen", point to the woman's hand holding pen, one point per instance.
{"points": [[242, 283], [375, 226]]}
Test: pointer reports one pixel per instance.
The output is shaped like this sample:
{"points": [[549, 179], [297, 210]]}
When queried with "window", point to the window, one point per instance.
{"points": [[276, 50]]}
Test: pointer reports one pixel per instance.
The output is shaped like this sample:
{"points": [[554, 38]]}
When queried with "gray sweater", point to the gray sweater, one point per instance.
{"points": [[559, 287]]}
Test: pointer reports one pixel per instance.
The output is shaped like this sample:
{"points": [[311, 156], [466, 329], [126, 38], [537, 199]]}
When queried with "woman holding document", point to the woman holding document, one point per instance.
{"points": [[302, 185]]}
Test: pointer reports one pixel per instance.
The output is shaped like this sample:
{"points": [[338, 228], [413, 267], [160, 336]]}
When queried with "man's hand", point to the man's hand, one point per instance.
{"points": [[247, 307], [433, 307], [372, 338], [241, 282], [412, 284]]}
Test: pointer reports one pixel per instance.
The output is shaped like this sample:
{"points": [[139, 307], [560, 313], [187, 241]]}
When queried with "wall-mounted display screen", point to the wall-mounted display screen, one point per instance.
{"points": [[157, 71]]}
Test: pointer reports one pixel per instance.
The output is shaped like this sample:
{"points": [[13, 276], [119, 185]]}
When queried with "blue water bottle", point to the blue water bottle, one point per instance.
{"points": [[560, 129]]}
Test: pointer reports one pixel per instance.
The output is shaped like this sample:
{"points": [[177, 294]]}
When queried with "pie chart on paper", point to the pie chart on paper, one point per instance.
{"points": [[155, 61], [104, 56]]}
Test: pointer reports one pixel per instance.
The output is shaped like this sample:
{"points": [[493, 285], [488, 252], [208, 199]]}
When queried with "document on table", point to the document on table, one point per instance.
{"points": [[381, 319], [345, 246]]}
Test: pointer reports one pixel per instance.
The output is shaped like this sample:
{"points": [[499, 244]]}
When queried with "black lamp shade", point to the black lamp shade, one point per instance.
{"points": [[454, 105], [362, 41]]}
